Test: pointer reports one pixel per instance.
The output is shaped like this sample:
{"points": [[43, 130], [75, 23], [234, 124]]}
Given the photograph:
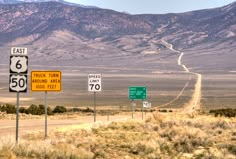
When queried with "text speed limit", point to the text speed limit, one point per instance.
{"points": [[18, 83], [94, 82]]}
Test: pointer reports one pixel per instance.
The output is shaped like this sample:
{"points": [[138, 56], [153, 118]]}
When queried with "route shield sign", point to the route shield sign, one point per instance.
{"points": [[45, 81], [18, 70], [18, 83], [137, 93], [18, 64], [94, 82]]}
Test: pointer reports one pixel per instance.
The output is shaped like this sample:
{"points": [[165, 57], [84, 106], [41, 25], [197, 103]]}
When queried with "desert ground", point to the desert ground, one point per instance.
{"points": [[169, 73], [159, 135], [176, 79]]}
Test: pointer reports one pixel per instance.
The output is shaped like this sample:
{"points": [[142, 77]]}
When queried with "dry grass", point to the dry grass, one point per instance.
{"points": [[160, 136]]}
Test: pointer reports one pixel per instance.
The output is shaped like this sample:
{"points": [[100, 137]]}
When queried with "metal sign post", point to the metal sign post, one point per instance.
{"points": [[94, 85], [142, 112], [17, 115], [137, 93], [18, 77], [132, 108], [45, 81], [46, 115], [108, 114], [94, 109]]}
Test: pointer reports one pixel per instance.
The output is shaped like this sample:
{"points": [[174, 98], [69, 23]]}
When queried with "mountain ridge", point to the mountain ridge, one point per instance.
{"points": [[44, 18]]}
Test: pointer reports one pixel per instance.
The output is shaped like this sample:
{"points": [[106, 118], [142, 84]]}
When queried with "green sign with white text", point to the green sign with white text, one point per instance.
{"points": [[137, 93]]}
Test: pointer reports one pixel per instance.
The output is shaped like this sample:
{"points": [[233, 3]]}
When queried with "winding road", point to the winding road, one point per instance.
{"points": [[194, 103]]}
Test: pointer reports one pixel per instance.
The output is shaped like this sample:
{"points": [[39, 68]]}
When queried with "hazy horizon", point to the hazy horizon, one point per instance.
{"points": [[154, 6]]}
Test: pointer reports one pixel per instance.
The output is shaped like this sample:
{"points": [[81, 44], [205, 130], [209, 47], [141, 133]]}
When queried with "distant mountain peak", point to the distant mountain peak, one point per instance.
{"points": [[40, 1]]}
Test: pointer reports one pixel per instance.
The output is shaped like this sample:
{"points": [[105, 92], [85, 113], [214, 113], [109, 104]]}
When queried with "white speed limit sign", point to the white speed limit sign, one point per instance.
{"points": [[18, 83], [94, 82], [18, 64]]}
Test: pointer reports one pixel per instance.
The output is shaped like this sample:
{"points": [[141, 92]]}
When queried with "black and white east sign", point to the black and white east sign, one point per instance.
{"points": [[18, 64], [18, 83], [19, 51], [94, 82]]}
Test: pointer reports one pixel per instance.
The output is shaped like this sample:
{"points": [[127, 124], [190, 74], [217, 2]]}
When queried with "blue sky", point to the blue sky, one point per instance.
{"points": [[154, 6]]}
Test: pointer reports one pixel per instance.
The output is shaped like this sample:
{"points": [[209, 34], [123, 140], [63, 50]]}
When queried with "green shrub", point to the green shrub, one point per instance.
{"points": [[76, 110], [33, 109], [224, 112], [23, 110], [163, 110], [87, 110], [49, 111], [59, 109], [8, 108], [38, 110]]}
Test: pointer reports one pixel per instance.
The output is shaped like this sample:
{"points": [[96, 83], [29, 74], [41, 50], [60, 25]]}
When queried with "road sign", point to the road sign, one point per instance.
{"points": [[18, 64], [18, 76], [137, 93], [45, 81], [19, 51], [18, 83], [146, 104], [94, 82]]}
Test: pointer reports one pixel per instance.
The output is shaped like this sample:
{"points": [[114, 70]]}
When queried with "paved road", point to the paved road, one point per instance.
{"points": [[8, 127]]}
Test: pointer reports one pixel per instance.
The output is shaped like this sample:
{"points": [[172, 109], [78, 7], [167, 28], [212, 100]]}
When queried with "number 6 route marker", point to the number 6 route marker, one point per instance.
{"points": [[94, 85]]}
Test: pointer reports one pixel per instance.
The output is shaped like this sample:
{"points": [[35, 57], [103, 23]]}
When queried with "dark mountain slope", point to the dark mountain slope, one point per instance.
{"points": [[25, 19]]}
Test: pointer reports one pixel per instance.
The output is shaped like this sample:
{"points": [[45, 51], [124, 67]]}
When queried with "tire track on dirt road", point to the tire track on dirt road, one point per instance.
{"points": [[194, 103]]}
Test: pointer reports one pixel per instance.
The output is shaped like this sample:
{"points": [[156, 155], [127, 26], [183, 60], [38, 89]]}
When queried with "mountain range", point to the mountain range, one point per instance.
{"points": [[65, 34], [40, 19]]}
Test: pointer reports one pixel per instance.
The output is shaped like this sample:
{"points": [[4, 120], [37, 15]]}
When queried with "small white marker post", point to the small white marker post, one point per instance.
{"points": [[108, 113]]}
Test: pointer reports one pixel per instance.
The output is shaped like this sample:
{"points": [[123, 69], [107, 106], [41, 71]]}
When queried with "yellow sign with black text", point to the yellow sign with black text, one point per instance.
{"points": [[45, 81]]}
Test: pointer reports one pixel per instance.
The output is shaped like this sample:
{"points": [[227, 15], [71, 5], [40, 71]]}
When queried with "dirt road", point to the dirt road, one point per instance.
{"points": [[194, 103]]}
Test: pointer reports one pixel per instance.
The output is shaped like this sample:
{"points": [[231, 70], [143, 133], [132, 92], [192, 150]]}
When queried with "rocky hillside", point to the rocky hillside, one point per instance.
{"points": [[40, 19]]}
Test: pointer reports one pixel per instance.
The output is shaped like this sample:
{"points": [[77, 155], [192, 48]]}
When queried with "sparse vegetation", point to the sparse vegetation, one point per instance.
{"points": [[59, 109], [32, 109], [224, 112], [8, 108], [160, 136]]}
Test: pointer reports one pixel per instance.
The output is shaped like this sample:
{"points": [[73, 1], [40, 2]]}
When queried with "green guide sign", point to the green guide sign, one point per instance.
{"points": [[137, 93]]}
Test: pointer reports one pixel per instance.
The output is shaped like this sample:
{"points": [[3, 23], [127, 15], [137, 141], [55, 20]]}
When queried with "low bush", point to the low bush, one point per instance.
{"points": [[8, 108], [59, 109], [87, 110], [23, 110], [32, 109], [224, 112], [163, 110], [38, 110]]}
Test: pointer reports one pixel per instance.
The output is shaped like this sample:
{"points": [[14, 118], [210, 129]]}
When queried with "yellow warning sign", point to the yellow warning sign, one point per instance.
{"points": [[45, 81]]}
